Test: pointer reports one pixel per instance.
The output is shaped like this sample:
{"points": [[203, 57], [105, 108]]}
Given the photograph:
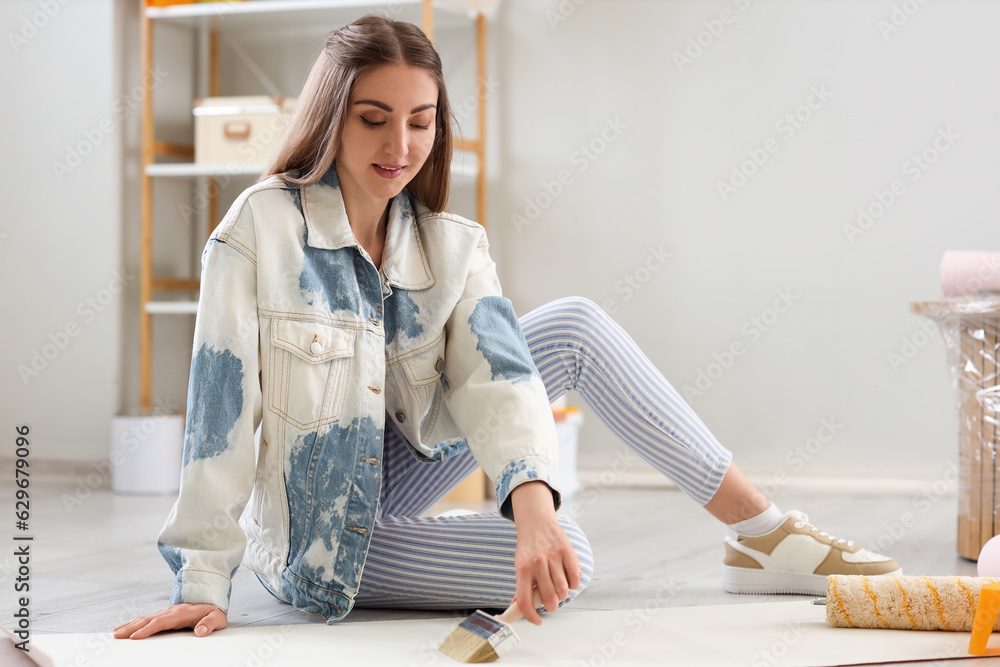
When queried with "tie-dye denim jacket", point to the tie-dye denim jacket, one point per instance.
{"points": [[298, 333]]}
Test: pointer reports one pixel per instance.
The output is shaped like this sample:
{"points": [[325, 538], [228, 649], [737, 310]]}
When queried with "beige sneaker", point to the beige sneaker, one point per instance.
{"points": [[796, 557]]}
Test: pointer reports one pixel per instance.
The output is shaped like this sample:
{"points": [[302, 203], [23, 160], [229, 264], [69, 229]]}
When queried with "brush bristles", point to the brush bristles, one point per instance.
{"points": [[465, 646], [479, 638]]}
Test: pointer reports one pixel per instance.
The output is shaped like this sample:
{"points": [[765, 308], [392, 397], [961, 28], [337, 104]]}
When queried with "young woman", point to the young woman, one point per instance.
{"points": [[354, 360]]}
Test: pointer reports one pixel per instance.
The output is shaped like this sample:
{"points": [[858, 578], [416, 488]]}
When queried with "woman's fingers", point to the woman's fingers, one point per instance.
{"points": [[127, 628], [549, 579], [560, 585], [525, 596], [546, 585], [204, 618], [212, 621], [571, 565], [153, 625]]}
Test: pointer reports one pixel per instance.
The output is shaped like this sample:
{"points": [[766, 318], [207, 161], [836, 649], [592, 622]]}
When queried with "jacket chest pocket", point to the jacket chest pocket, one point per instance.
{"points": [[310, 366], [422, 371]]}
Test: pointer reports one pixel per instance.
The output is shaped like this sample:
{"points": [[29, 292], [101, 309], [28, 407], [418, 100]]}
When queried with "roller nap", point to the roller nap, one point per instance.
{"points": [[904, 603]]}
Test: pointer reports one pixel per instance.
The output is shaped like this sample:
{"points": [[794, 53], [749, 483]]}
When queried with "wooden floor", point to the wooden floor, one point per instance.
{"points": [[95, 564]]}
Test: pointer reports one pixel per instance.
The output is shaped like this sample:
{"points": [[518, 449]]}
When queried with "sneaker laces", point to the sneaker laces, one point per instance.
{"points": [[802, 521]]}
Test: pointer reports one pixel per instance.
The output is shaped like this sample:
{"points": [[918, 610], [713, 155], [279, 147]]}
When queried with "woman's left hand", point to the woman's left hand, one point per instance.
{"points": [[544, 558]]}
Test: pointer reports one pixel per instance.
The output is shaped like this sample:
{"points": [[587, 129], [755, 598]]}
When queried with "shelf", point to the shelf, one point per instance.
{"points": [[172, 307], [266, 24], [252, 14], [196, 169]]}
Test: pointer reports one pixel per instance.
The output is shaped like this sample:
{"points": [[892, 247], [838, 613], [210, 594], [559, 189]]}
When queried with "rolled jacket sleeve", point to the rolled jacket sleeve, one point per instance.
{"points": [[202, 540], [496, 394]]}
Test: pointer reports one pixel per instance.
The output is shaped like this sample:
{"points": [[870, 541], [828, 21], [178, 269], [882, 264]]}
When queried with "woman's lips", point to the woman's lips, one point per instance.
{"points": [[388, 170]]}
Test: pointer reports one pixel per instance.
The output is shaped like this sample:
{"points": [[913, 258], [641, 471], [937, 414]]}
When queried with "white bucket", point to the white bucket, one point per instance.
{"points": [[568, 431], [146, 453]]}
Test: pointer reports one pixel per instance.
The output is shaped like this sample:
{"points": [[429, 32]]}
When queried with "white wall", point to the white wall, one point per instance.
{"points": [[655, 185], [60, 248]]}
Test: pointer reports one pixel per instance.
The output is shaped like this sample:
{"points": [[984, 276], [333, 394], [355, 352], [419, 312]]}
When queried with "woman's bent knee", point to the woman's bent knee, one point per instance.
{"points": [[584, 553]]}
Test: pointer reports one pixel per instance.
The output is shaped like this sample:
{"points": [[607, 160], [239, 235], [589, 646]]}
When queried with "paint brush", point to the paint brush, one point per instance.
{"points": [[485, 638]]}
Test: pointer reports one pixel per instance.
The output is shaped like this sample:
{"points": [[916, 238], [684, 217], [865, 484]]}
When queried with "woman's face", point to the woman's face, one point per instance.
{"points": [[388, 133]]}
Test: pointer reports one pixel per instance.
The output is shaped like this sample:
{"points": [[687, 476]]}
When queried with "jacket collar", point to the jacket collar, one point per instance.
{"points": [[403, 261]]}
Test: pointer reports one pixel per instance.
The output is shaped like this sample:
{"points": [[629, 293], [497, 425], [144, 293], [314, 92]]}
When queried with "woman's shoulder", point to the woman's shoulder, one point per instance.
{"points": [[239, 219], [445, 220]]}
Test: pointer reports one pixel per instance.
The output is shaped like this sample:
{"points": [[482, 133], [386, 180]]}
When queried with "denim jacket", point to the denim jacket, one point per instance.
{"points": [[303, 343]]}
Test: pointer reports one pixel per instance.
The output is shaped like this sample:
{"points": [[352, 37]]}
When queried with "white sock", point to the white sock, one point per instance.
{"points": [[762, 524]]}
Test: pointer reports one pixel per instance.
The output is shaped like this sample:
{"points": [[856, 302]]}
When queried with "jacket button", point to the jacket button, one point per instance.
{"points": [[316, 347], [439, 365], [400, 417]]}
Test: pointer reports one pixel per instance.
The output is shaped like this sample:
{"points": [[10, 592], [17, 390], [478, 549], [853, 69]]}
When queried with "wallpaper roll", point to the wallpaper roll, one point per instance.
{"points": [[966, 273], [904, 603]]}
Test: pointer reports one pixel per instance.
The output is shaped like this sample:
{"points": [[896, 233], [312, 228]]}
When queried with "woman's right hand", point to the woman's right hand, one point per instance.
{"points": [[204, 618]]}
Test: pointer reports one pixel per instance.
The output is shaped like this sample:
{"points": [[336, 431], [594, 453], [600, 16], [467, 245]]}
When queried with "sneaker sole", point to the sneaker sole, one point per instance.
{"points": [[766, 582]]}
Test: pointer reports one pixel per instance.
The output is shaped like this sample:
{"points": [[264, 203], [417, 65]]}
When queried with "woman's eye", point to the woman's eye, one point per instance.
{"points": [[422, 127], [370, 123]]}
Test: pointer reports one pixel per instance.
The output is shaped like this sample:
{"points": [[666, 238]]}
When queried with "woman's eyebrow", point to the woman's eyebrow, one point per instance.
{"points": [[386, 107]]}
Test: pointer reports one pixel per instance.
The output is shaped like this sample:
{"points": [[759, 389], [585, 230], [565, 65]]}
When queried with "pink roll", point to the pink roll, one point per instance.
{"points": [[965, 273]]}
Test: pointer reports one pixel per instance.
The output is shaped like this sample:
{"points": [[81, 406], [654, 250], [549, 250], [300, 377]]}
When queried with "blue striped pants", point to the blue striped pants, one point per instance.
{"points": [[467, 561]]}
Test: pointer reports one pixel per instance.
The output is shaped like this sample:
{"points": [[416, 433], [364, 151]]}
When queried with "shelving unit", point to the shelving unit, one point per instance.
{"points": [[210, 19]]}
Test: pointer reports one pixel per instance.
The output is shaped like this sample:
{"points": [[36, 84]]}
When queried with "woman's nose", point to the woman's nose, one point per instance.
{"points": [[397, 142]]}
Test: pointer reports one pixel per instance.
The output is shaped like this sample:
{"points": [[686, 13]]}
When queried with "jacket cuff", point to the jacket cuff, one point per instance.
{"points": [[526, 469], [202, 587]]}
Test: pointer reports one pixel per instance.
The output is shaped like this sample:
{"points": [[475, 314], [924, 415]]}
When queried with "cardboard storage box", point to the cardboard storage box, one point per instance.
{"points": [[238, 129]]}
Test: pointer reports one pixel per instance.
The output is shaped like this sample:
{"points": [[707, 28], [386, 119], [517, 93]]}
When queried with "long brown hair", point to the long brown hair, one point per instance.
{"points": [[311, 138]]}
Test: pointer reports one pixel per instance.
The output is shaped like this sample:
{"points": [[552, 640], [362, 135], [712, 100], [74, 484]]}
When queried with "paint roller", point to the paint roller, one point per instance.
{"points": [[969, 273], [904, 603]]}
